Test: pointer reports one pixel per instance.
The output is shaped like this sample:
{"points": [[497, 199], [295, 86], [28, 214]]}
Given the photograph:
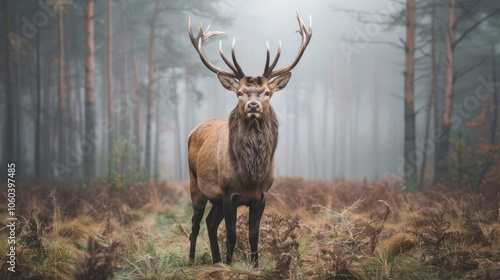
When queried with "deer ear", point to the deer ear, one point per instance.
{"points": [[228, 82], [280, 82]]}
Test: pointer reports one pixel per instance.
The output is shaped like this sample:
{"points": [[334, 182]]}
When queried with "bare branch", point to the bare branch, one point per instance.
{"points": [[472, 27]]}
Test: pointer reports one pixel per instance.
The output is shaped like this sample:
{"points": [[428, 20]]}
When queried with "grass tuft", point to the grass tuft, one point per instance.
{"points": [[346, 230]]}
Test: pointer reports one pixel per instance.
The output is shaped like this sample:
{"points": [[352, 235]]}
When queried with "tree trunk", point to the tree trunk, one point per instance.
{"points": [[77, 125], [288, 136], [432, 104], [324, 157], [38, 122], [345, 112], [17, 104], [494, 120], [335, 108], [353, 143], [137, 104], [33, 90], [190, 97], [178, 148], [313, 160], [88, 146], [125, 90], [410, 166], [81, 122], [9, 109], [78, 122], [157, 133], [296, 144], [348, 155], [61, 91], [434, 89], [69, 106], [48, 120], [427, 128], [151, 81], [112, 132], [443, 147], [375, 134]]}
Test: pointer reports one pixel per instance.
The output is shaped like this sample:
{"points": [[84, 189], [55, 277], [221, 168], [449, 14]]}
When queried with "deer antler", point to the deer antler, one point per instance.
{"points": [[306, 37], [201, 39]]}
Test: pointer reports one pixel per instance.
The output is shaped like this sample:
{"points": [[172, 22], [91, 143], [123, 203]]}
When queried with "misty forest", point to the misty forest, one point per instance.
{"points": [[387, 163]]}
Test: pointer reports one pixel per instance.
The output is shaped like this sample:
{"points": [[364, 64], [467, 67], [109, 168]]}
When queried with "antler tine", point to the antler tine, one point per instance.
{"points": [[311, 23], [275, 61], [267, 59], [235, 67], [306, 37], [225, 59], [240, 71], [200, 31], [198, 42], [190, 32], [269, 69]]}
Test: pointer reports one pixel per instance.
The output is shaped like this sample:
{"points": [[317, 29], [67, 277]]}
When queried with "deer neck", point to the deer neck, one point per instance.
{"points": [[252, 143]]}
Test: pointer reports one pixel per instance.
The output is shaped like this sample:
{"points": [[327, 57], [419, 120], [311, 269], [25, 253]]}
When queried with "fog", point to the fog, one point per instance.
{"points": [[342, 115], [311, 130]]}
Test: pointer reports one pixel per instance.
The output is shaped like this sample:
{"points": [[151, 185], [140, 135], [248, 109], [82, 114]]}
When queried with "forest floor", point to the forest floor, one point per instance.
{"points": [[310, 230]]}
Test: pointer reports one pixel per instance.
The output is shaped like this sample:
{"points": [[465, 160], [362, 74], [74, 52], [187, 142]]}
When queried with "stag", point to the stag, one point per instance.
{"points": [[231, 162]]}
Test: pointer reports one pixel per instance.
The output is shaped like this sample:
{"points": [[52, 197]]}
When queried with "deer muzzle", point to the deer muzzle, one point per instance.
{"points": [[253, 109]]}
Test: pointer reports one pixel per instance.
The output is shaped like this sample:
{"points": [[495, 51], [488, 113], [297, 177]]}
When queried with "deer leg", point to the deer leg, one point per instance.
{"points": [[229, 206], [255, 215], [214, 219], [199, 203]]}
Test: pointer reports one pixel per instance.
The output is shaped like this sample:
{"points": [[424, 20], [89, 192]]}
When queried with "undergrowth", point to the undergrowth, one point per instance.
{"points": [[310, 230]]}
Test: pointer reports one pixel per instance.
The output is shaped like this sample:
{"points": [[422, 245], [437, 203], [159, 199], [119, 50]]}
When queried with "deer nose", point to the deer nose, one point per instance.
{"points": [[253, 106]]}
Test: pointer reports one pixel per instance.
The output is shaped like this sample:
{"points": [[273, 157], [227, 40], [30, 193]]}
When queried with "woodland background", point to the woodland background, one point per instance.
{"points": [[111, 89], [387, 165]]}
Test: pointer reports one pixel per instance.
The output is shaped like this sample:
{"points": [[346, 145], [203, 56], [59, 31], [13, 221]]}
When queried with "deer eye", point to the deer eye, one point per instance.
{"points": [[240, 93], [267, 93]]}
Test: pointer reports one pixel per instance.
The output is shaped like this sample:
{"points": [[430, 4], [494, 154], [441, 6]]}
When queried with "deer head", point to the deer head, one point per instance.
{"points": [[253, 93]]}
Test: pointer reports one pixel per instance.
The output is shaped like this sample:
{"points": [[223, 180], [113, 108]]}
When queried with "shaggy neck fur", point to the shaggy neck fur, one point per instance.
{"points": [[252, 143]]}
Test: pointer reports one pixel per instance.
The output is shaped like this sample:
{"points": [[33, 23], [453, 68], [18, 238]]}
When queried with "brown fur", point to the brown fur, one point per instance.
{"points": [[231, 163], [252, 145]]}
